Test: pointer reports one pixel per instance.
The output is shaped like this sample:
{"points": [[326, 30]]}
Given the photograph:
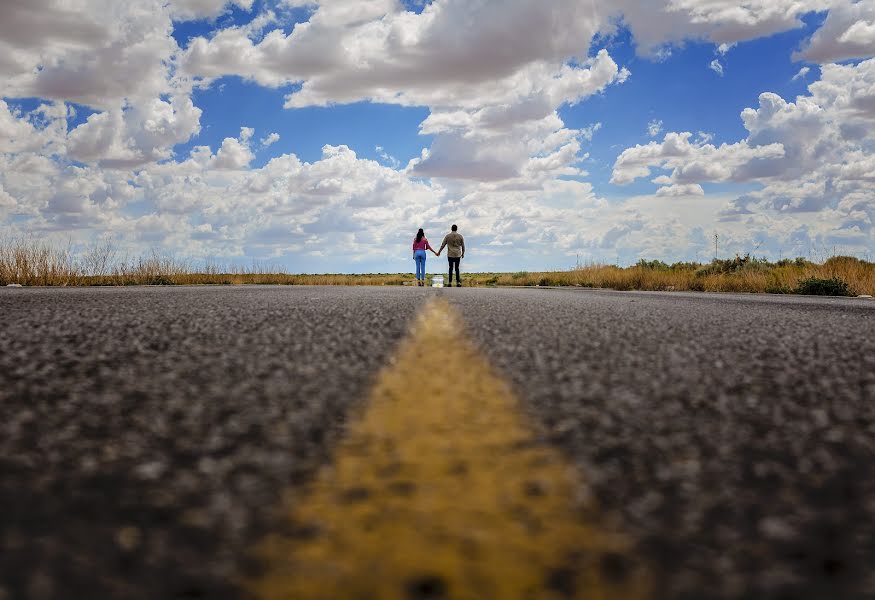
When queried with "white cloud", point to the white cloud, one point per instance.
{"points": [[675, 190], [94, 52], [724, 22], [139, 134], [234, 153], [691, 162], [112, 56], [204, 9], [812, 159], [587, 132], [387, 158], [270, 140], [43, 129], [848, 32], [654, 128], [716, 66], [803, 72]]}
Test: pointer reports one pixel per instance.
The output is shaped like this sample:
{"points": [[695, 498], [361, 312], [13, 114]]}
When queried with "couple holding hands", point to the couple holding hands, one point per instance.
{"points": [[455, 244]]}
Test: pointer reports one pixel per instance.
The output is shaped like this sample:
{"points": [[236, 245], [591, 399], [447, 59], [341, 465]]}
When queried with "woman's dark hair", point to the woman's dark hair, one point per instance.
{"points": [[419, 235]]}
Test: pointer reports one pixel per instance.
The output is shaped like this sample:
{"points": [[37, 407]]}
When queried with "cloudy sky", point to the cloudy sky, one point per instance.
{"points": [[318, 135]]}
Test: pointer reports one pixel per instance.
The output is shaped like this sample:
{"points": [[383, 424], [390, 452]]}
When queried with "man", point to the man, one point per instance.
{"points": [[455, 244]]}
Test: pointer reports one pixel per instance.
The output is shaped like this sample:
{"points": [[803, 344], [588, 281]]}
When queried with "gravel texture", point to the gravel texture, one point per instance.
{"points": [[733, 435], [146, 434]]}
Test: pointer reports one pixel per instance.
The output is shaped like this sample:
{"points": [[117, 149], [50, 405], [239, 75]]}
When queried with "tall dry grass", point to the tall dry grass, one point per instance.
{"points": [[31, 262], [783, 277]]}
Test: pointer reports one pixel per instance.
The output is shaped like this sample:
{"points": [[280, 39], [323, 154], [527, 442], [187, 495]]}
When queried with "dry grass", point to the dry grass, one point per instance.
{"points": [[753, 276], [29, 262]]}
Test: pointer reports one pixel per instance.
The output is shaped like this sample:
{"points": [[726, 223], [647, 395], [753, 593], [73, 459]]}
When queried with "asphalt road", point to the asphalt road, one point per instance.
{"points": [[146, 434]]}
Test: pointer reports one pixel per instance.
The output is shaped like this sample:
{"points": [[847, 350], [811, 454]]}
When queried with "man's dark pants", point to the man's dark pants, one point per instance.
{"points": [[454, 261]]}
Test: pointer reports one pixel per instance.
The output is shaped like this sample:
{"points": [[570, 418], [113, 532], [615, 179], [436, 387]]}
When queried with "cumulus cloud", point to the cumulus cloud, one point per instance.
{"points": [[654, 128], [691, 162], [114, 57], [674, 190], [33, 132], [658, 23], [234, 153], [716, 66], [185, 10], [811, 156], [489, 101], [135, 135], [848, 32], [96, 52]]}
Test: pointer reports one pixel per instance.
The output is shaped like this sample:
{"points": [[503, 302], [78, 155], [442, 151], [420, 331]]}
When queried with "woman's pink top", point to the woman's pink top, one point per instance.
{"points": [[421, 244]]}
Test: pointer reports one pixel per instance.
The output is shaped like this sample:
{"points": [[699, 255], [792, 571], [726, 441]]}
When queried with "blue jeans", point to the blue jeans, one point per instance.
{"points": [[419, 257]]}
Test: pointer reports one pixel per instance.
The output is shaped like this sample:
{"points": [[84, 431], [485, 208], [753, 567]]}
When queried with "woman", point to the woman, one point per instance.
{"points": [[420, 245]]}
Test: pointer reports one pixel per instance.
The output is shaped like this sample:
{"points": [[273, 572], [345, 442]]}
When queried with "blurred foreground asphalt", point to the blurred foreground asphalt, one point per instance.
{"points": [[146, 434]]}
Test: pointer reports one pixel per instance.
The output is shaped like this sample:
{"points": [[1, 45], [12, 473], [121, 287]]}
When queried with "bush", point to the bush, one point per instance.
{"points": [[653, 265], [823, 287], [684, 266], [841, 261], [777, 288], [733, 265]]}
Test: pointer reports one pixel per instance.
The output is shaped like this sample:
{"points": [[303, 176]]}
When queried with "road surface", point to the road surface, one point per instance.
{"points": [[151, 439]]}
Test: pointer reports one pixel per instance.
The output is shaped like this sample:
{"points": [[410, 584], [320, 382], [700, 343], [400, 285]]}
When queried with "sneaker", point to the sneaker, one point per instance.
{"points": [[458, 285]]}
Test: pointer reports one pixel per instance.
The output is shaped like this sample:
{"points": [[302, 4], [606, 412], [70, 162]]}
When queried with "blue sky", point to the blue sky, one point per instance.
{"points": [[317, 136]]}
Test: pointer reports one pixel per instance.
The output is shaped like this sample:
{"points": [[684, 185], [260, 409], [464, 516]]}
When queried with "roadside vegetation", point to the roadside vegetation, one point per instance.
{"points": [[30, 262], [836, 276]]}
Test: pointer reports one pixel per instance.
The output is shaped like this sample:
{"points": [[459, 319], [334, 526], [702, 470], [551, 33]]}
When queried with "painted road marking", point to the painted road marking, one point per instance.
{"points": [[441, 490]]}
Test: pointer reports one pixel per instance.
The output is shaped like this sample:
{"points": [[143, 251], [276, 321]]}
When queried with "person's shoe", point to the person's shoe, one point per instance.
{"points": [[458, 285]]}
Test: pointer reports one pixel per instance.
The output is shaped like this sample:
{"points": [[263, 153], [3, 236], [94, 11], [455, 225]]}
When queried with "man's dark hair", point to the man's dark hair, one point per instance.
{"points": [[454, 228]]}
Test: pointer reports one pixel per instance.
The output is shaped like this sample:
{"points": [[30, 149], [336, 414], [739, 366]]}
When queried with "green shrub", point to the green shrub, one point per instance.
{"points": [[777, 288], [823, 287], [697, 285], [653, 265], [733, 265], [158, 280]]}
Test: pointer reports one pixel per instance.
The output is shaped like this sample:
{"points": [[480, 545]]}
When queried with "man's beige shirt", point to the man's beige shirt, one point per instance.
{"points": [[455, 244]]}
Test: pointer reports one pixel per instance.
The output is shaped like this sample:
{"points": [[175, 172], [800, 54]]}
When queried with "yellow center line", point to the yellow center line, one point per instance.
{"points": [[441, 490]]}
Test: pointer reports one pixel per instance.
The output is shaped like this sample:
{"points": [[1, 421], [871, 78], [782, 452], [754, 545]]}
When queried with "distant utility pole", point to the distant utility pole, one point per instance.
{"points": [[716, 237]]}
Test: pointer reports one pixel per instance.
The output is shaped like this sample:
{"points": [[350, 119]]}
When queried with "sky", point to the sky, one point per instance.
{"points": [[318, 135]]}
